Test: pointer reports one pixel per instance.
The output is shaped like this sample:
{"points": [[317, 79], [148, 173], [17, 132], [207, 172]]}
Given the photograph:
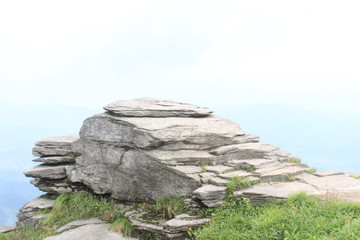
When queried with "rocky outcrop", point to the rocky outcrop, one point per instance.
{"points": [[122, 149], [55, 154], [144, 149], [28, 215]]}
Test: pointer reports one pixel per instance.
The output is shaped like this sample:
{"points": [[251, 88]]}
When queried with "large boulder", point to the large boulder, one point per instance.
{"points": [[144, 149]]}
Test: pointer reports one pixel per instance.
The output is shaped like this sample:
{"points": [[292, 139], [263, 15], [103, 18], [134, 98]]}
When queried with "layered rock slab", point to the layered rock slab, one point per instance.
{"points": [[134, 177], [28, 215], [339, 186], [150, 107], [90, 232]]}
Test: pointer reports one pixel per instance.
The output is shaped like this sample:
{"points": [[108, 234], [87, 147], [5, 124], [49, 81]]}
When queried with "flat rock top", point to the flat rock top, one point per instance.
{"points": [[212, 125], [6, 229], [40, 203], [149, 107], [63, 140], [90, 232]]}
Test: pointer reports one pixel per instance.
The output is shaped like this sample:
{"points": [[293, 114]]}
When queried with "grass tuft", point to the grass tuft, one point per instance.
{"points": [[237, 183], [122, 225]]}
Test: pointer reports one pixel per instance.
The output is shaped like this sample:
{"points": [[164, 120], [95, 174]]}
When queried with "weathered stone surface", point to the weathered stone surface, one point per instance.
{"points": [[53, 146], [183, 225], [218, 181], [7, 229], [208, 192], [331, 183], [206, 176], [130, 175], [188, 169], [56, 159], [281, 171], [255, 163], [219, 169], [149, 107], [237, 173], [78, 223], [265, 192], [170, 133], [329, 173], [28, 216], [90, 232], [181, 157], [57, 186], [211, 195], [47, 172], [248, 151]]}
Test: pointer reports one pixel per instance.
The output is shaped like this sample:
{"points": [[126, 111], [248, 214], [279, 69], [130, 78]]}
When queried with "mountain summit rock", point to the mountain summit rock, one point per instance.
{"points": [[145, 149]]}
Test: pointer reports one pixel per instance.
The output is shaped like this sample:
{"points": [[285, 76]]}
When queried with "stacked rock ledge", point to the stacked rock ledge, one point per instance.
{"points": [[145, 149]]}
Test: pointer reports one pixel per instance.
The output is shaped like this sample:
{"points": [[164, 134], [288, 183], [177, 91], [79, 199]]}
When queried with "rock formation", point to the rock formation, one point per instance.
{"points": [[144, 149]]}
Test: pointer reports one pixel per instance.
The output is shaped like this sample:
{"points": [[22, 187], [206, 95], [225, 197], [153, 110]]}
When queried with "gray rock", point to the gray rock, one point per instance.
{"points": [[255, 163], [331, 183], [329, 173], [265, 192], [149, 107], [281, 171], [53, 146], [47, 171], [248, 151], [209, 192], [78, 223], [129, 174], [238, 173], [90, 232], [28, 215], [183, 225], [169, 133], [188, 169], [57, 186], [181, 157], [56, 159], [206, 176], [211, 195], [7, 229], [219, 169], [218, 181]]}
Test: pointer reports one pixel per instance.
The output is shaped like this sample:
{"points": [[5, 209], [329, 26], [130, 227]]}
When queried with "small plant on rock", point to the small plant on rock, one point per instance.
{"points": [[122, 225], [237, 183]]}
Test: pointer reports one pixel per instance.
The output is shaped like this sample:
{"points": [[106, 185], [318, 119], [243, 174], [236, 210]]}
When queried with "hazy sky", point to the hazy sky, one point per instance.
{"points": [[89, 53]]}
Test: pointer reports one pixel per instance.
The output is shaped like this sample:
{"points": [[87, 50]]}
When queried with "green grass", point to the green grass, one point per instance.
{"points": [[122, 225], [68, 207], [301, 217], [163, 208], [355, 176], [294, 160], [311, 170], [246, 167], [237, 183]]}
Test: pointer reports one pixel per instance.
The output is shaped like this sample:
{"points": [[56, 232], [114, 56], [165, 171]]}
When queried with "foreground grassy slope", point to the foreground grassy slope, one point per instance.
{"points": [[300, 217]]}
